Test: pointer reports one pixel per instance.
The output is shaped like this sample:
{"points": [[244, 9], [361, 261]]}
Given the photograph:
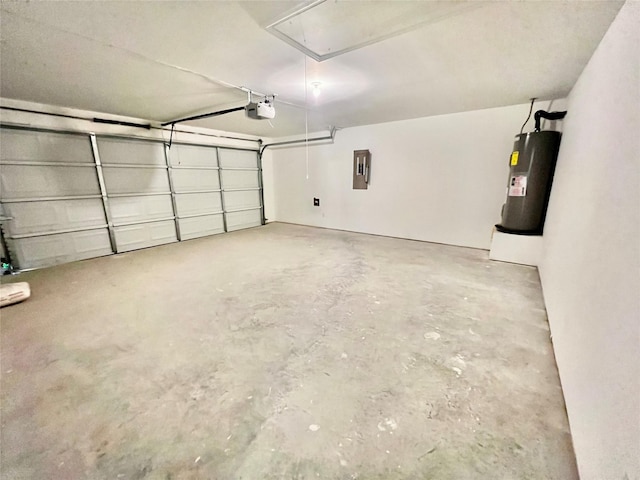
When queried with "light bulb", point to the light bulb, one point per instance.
{"points": [[316, 89]]}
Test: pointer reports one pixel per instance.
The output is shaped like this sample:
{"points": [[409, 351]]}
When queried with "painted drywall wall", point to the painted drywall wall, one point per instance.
{"points": [[590, 268], [268, 192], [440, 179]]}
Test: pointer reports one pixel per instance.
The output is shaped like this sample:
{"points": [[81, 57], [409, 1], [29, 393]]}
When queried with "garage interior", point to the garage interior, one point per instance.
{"points": [[260, 240]]}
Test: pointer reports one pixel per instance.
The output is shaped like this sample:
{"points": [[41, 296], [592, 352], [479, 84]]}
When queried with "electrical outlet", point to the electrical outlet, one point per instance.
{"points": [[316, 202]]}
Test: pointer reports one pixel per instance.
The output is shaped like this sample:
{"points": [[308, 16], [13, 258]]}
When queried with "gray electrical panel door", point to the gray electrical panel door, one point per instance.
{"points": [[196, 183], [361, 169], [241, 188], [50, 198]]}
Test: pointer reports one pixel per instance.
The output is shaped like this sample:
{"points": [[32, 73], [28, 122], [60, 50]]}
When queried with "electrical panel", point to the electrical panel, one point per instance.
{"points": [[361, 169]]}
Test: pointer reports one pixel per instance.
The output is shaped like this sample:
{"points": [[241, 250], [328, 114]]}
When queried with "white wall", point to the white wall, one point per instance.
{"points": [[590, 268], [440, 179], [268, 190]]}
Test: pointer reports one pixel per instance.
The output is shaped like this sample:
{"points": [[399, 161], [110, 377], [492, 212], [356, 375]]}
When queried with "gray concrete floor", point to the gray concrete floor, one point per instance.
{"points": [[283, 352]]}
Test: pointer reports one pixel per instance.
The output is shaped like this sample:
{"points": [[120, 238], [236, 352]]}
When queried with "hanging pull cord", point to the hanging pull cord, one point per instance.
{"points": [[547, 115]]}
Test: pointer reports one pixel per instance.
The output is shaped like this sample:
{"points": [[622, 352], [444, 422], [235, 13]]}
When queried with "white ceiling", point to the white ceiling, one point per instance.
{"points": [[165, 60]]}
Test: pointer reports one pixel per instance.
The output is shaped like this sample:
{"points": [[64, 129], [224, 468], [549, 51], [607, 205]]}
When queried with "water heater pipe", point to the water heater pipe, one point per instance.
{"points": [[547, 115]]}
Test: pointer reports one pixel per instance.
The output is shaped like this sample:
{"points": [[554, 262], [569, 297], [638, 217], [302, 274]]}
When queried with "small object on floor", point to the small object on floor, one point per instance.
{"points": [[7, 268], [11, 293]]}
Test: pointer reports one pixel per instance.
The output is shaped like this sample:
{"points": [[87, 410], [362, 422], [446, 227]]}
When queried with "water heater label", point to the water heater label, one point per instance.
{"points": [[518, 186], [514, 158]]}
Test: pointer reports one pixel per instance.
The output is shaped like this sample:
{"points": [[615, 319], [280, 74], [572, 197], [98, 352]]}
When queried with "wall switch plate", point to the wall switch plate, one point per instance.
{"points": [[316, 202]]}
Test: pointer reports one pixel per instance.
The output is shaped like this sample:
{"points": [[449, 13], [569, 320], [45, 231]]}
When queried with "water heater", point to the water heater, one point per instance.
{"points": [[531, 166]]}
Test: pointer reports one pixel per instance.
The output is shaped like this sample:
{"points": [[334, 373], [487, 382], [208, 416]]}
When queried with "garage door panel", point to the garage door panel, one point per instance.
{"points": [[187, 180], [45, 192], [196, 203], [133, 237], [135, 180], [118, 151], [245, 219], [242, 199], [51, 216], [45, 251], [201, 226], [241, 188], [26, 181], [140, 209], [32, 146], [238, 158], [193, 155], [240, 179]]}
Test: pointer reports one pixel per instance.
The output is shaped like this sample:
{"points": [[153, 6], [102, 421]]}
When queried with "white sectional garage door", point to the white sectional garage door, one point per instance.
{"points": [[241, 188], [137, 185], [196, 181], [50, 192], [71, 196]]}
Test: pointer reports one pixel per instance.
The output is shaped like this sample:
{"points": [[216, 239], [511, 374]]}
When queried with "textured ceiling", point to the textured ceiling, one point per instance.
{"points": [[164, 60]]}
